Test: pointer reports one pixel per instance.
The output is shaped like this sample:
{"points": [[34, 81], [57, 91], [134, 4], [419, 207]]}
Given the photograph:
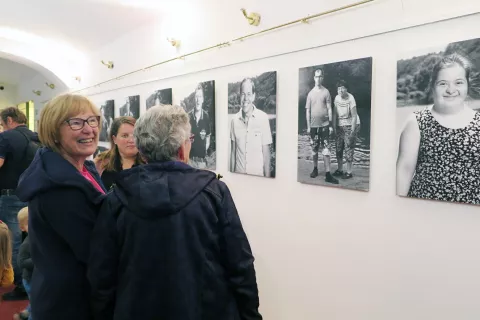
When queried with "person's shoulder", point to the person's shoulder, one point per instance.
{"points": [[8, 134], [17, 133], [4, 137], [236, 116], [411, 123], [261, 114], [217, 188]]}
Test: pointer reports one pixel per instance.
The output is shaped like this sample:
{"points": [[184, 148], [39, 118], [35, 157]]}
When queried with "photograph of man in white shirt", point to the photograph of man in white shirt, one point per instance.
{"points": [[250, 135]]}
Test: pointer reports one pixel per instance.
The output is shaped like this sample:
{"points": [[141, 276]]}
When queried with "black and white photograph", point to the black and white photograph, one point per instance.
{"points": [[107, 110], [131, 107], [252, 115], [438, 124], [198, 100], [159, 97], [334, 114]]}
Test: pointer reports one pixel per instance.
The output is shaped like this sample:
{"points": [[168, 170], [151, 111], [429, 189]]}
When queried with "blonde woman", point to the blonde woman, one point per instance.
{"points": [[64, 193]]}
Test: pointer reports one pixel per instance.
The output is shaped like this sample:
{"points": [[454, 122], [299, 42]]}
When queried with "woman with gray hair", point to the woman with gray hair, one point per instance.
{"points": [[168, 243]]}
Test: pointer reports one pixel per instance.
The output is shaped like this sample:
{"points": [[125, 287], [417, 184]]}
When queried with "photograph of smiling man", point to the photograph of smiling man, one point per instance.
{"points": [[252, 109], [438, 124]]}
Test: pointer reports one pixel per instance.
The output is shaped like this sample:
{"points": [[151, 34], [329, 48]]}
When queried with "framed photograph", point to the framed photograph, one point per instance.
{"points": [[159, 97], [131, 107], [107, 110], [252, 114], [438, 124], [334, 112], [198, 100]]}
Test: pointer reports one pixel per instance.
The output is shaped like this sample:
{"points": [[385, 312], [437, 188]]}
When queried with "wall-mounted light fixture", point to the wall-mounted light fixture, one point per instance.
{"points": [[252, 18], [174, 42], [109, 64], [37, 92], [305, 20], [50, 85], [224, 44]]}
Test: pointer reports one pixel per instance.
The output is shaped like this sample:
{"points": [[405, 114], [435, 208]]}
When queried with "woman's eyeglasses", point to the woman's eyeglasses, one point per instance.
{"points": [[78, 124]]}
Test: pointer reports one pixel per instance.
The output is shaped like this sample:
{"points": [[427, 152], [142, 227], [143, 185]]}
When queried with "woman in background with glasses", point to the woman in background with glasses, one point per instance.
{"points": [[64, 193], [123, 153]]}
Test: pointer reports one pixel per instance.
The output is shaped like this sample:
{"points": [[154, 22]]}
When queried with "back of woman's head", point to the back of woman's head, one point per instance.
{"points": [[161, 131], [5, 246], [57, 111]]}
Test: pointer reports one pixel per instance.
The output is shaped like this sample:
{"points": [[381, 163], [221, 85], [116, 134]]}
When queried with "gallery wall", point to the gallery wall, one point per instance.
{"points": [[325, 252], [8, 96], [38, 83]]}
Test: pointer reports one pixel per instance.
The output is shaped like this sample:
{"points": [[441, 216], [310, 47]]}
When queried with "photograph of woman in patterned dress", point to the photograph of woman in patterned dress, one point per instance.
{"points": [[439, 144]]}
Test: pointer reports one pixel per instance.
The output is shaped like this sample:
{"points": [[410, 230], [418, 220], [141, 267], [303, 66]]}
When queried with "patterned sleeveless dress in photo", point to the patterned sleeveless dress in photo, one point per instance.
{"points": [[448, 163]]}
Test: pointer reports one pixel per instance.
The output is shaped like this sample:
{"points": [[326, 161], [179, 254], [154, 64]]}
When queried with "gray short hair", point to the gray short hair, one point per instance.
{"points": [[161, 131]]}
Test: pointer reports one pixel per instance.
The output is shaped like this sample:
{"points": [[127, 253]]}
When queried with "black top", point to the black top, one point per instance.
{"points": [[14, 148], [110, 176], [63, 207], [199, 145], [169, 244], [25, 260]]}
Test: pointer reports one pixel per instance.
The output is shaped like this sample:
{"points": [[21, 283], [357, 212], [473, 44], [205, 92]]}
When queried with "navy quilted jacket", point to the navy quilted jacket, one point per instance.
{"points": [[168, 244]]}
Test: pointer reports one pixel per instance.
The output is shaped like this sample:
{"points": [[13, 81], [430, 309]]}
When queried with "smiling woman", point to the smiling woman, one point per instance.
{"points": [[64, 192], [439, 151]]}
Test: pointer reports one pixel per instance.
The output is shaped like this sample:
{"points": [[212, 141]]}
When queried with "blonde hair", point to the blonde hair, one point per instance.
{"points": [[5, 247], [57, 111], [23, 216]]}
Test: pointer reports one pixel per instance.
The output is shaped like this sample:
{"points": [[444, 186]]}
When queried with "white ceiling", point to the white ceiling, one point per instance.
{"points": [[14, 73], [83, 24]]}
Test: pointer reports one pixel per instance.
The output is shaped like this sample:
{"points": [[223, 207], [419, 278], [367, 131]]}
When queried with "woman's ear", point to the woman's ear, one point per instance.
{"points": [[114, 139]]}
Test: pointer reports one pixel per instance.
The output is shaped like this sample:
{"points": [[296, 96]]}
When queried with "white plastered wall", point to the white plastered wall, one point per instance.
{"points": [[327, 253]]}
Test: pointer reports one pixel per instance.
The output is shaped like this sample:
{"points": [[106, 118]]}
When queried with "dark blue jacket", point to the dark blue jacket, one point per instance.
{"points": [[63, 207], [168, 244]]}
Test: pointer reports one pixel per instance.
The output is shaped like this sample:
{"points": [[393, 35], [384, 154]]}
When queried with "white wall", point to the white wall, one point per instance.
{"points": [[38, 82], [8, 96], [327, 253]]}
